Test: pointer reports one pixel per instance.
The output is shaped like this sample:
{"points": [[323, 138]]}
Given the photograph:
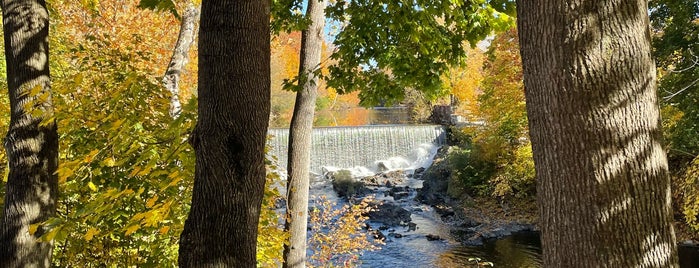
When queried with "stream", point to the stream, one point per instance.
{"points": [[368, 150]]}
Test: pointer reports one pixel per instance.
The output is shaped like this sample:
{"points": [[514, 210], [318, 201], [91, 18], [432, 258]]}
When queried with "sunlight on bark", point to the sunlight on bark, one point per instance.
{"points": [[655, 251], [615, 208]]}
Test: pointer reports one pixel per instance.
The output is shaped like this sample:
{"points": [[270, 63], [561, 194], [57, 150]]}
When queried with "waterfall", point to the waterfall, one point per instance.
{"points": [[373, 148]]}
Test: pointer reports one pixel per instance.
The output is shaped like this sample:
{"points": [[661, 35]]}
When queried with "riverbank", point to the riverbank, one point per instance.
{"points": [[474, 219], [477, 220]]}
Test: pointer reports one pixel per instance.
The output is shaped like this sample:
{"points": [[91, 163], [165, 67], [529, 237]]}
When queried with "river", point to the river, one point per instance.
{"points": [[367, 149]]}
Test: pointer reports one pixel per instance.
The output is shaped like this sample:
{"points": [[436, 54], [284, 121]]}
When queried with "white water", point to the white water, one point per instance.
{"points": [[366, 149]]}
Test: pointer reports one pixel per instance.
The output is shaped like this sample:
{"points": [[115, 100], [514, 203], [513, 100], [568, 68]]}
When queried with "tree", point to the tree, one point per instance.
{"points": [[180, 56], [300, 132], [230, 135], [32, 139], [603, 185], [676, 50], [386, 46]]}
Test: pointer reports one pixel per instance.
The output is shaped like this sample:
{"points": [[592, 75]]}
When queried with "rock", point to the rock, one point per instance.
{"points": [[434, 188], [431, 237], [378, 235], [388, 213], [279, 203], [418, 172], [399, 193], [385, 179], [412, 226], [383, 228], [443, 210], [473, 241], [348, 187], [689, 243]]}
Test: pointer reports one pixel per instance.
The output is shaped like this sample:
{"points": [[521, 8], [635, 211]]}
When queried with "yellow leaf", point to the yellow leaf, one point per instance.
{"points": [[91, 233], [50, 235], [134, 171], [92, 186], [164, 230], [33, 228], [109, 162], [151, 201], [144, 171], [35, 90], [132, 229], [90, 156]]}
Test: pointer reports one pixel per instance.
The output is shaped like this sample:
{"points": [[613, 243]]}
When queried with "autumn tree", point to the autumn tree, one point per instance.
{"points": [[496, 157], [230, 135], [463, 83], [602, 174], [300, 136], [32, 139]]}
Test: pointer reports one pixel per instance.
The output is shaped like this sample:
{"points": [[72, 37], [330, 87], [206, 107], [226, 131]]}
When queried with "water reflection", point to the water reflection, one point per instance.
{"points": [[362, 116], [519, 250]]}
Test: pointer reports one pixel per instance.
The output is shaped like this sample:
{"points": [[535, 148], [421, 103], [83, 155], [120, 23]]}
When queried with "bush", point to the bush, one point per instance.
{"points": [[470, 170], [689, 187], [338, 237]]}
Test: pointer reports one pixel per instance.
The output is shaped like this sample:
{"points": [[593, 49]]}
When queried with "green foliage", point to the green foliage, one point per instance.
{"points": [[675, 25], [471, 170], [690, 190], [385, 47], [287, 16], [160, 5], [676, 44], [124, 164]]}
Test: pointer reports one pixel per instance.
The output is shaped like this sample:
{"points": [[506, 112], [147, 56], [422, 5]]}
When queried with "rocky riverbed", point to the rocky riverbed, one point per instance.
{"points": [[427, 220], [420, 205]]}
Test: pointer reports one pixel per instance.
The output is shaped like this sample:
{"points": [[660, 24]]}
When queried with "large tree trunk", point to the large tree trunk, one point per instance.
{"points": [[230, 135], [603, 186], [300, 134], [32, 140], [180, 57]]}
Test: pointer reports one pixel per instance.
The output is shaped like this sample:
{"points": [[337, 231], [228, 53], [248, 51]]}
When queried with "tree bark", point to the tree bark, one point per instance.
{"points": [[229, 138], [300, 132], [180, 57], [32, 139], [603, 185]]}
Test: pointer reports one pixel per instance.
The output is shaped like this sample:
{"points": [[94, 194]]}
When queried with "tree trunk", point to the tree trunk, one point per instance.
{"points": [[32, 139], [300, 134], [180, 57], [229, 138], [603, 185]]}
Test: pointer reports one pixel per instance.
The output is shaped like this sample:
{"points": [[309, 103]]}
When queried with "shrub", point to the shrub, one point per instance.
{"points": [[337, 238]]}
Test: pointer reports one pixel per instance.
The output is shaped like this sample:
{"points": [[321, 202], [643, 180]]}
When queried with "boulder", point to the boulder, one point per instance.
{"points": [[399, 193], [388, 213], [431, 237], [435, 184], [348, 187], [385, 179]]}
